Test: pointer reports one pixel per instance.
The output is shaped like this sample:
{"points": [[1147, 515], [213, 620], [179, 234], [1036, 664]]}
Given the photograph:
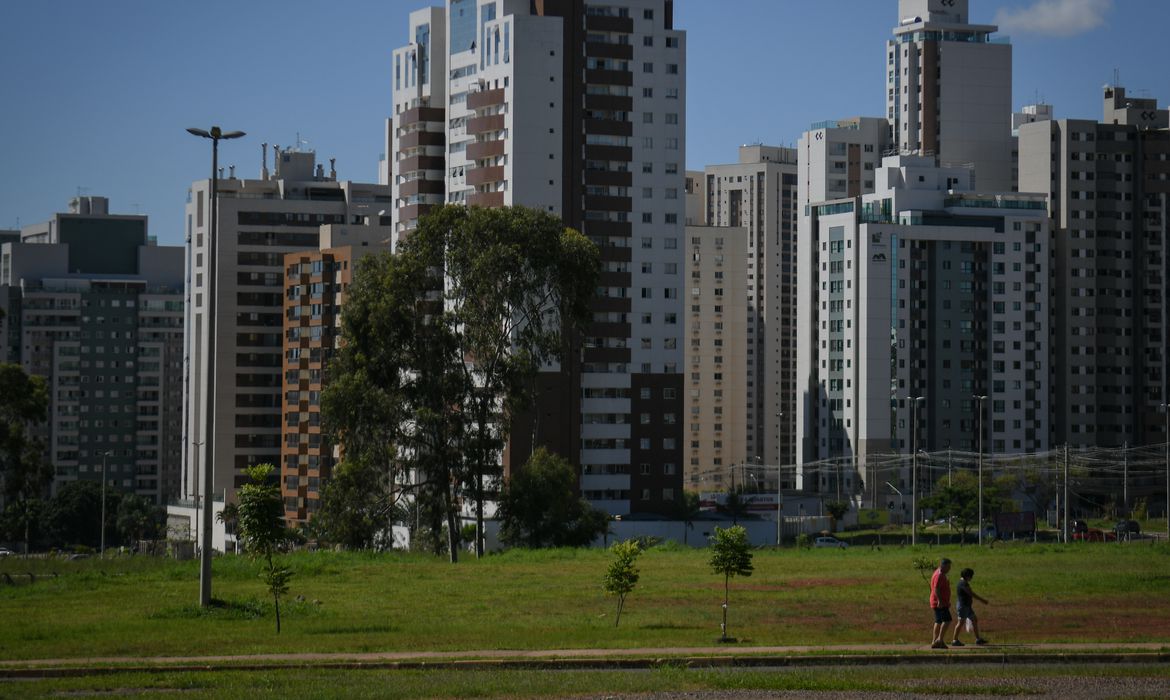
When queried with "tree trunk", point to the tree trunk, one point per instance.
{"points": [[276, 601], [621, 602], [452, 533], [726, 586], [479, 544]]}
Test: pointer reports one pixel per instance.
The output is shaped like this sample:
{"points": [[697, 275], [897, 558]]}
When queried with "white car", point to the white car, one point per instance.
{"points": [[830, 542], [5, 552]]}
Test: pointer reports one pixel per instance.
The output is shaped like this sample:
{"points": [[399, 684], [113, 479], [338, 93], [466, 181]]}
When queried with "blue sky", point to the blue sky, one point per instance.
{"points": [[97, 94]]}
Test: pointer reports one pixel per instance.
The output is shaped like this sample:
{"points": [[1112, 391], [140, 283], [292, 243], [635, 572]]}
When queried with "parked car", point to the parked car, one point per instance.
{"points": [[5, 552], [1080, 526], [1128, 527], [830, 542]]}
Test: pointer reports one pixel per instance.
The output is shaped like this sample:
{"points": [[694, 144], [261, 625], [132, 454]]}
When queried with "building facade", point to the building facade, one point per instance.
{"points": [[717, 343], [259, 222], [759, 194], [1107, 184], [575, 108], [94, 306], [949, 90], [315, 284], [922, 289]]}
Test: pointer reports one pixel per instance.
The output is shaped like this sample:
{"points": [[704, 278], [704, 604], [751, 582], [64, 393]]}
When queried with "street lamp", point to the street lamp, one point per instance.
{"points": [[102, 547], [1166, 408], [901, 498], [914, 467], [215, 134], [980, 400]]}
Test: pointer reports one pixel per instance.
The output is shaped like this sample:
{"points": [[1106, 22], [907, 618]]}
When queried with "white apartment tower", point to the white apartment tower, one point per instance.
{"points": [[576, 108], [258, 222], [949, 90], [922, 289]]}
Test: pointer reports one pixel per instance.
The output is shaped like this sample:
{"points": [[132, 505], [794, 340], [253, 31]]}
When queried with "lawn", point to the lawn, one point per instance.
{"points": [[343, 602]]}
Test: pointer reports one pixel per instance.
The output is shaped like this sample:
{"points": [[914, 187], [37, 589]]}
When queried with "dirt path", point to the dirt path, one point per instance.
{"points": [[856, 653]]}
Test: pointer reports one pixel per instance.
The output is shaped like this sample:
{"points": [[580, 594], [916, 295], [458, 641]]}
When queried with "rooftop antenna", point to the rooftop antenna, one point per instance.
{"points": [[264, 161], [135, 205], [1116, 77]]}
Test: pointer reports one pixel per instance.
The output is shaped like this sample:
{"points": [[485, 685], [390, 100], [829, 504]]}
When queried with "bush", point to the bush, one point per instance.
{"points": [[803, 540]]}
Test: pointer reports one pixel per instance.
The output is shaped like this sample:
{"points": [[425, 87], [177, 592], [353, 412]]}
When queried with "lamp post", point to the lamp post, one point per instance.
{"points": [[102, 546], [901, 498], [779, 481], [914, 467], [215, 134], [1166, 408], [980, 399]]}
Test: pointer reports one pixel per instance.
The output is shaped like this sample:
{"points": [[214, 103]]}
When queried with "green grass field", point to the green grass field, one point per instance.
{"points": [[301, 683], [553, 600]]}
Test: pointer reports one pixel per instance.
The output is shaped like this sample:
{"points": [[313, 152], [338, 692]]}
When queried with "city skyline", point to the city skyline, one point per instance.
{"points": [[129, 77]]}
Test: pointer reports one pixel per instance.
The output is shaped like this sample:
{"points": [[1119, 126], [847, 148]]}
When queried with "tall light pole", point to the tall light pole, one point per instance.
{"points": [[215, 134], [102, 546], [1166, 408], [914, 467], [779, 481], [979, 400]]}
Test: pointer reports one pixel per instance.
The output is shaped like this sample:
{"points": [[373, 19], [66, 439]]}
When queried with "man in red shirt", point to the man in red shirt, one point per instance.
{"points": [[940, 602]]}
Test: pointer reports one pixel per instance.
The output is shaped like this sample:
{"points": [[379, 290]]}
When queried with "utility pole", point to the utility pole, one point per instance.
{"points": [[1066, 508], [1125, 478], [979, 402]]}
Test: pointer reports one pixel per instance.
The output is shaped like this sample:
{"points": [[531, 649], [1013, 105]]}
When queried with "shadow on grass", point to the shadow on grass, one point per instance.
{"points": [[248, 609]]}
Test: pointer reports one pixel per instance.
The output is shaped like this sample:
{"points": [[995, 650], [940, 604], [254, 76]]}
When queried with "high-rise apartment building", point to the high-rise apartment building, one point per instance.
{"points": [[922, 289], [759, 194], [94, 306], [949, 90], [1108, 184], [315, 284], [259, 222], [576, 108], [717, 344]]}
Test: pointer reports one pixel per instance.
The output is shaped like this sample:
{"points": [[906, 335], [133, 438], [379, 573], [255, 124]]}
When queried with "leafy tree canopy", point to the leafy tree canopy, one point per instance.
{"points": [[539, 507]]}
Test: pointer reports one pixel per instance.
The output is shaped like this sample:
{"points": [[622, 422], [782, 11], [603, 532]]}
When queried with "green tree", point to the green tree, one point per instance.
{"points": [[358, 507], [71, 516], [138, 519], [687, 509], [837, 511], [730, 556], [516, 281], [959, 501], [260, 520], [622, 574], [539, 506], [26, 475], [442, 342], [735, 505]]}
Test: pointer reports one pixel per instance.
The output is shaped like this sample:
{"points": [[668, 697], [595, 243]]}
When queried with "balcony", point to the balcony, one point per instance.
{"points": [[612, 103], [600, 152], [480, 125], [486, 199], [414, 139], [485, 98], [486, 175], [422, 114], [608, 127], [606, 203], [485, 149], [609, 178], [599, 23], [415, 163], [412, 187], [598, 49], [413, 211], [609, 77], [608, 228]]}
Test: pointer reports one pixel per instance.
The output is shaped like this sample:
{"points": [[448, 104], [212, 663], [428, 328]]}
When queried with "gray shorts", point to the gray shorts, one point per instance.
{"points": [[966, 613]]}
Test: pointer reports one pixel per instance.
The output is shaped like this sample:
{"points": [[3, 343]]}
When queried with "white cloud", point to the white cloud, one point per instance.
{"points": [[1055, 17]]}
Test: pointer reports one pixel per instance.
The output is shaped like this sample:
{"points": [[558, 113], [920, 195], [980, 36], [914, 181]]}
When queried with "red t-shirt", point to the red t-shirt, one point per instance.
{"points": [[940, 590]]}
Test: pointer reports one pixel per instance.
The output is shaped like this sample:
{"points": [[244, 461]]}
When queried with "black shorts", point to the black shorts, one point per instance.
{"points": [[942, 615]]}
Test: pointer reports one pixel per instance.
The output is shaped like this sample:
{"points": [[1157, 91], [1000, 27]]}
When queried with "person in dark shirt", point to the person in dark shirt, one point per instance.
{"points": [[940, 603], [967, 597]]}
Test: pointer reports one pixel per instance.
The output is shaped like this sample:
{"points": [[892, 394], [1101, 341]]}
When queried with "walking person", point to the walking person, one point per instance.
{"points": [[940, 603], [967, 597]]}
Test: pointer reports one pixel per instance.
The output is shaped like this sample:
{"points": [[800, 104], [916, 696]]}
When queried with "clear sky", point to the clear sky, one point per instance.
{"points": [[96, 95]]}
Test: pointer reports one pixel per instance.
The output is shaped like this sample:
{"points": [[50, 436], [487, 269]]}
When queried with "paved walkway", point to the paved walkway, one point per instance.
{"points": [[728, 654]]}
